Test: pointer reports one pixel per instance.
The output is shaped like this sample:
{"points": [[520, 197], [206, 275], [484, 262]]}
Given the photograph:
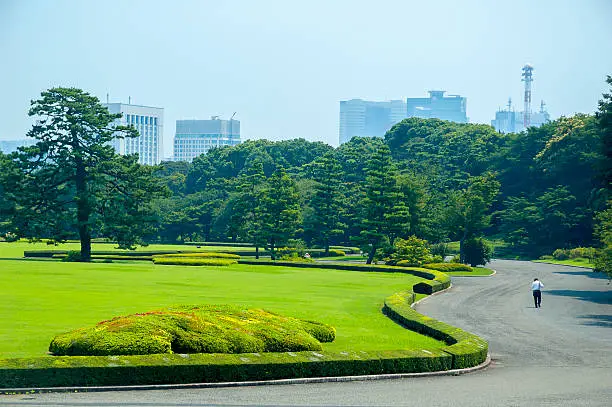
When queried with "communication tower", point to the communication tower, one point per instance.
{"points": [[527, 78]]}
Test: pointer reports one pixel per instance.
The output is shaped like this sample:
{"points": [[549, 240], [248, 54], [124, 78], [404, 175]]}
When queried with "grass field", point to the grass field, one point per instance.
{"points": [[40, 299], [579, 262]]}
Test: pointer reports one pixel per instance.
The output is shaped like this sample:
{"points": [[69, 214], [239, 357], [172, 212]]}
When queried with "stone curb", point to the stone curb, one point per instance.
{"points": [[306, 380]]}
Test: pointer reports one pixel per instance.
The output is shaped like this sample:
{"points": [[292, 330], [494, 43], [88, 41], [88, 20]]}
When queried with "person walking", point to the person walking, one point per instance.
{"points": [[536, 288]]}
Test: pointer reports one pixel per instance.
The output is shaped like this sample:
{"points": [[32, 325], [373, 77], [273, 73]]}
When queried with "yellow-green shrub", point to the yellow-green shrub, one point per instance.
{"points": [[194, 329], [446, 267]]}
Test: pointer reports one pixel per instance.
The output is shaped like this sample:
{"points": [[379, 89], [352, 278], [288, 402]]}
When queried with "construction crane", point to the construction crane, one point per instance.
{"points": [[232, 118]]}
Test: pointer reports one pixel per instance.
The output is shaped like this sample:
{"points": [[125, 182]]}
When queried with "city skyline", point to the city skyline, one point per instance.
{"points": [[284, 67]]}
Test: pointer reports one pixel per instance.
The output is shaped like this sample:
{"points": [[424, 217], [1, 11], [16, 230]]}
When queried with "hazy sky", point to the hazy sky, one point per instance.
{"points": [[283, 65]]}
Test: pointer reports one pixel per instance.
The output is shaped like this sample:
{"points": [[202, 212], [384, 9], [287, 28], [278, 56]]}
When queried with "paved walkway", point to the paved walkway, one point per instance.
{"points": [[559, 355]]}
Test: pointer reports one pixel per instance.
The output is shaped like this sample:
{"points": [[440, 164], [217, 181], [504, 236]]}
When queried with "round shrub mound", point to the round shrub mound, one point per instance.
{"points": [[194, 329]]}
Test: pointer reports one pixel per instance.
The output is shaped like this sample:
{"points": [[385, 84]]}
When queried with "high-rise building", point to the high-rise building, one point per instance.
{"points": [[196, 137], [438, 106], [9, 146], [363, 118], [149, 121]]}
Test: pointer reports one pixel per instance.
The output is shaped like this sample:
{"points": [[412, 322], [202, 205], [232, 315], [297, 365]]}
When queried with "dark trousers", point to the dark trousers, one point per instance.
{"points": [[537, 298]]}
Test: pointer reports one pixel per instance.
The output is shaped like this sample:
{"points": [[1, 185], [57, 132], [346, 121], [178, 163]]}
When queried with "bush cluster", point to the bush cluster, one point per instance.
{"points": [[447, 267], [575, 253], [194, 329], [561, 254]]}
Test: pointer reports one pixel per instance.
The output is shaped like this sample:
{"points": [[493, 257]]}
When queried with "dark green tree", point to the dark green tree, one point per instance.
{"points": [[68, 173], [245, 221], [468, 211], [604, 121], [327, 201], [384, 214], [278, 211]]}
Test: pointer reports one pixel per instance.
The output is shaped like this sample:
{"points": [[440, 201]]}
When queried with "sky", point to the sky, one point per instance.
{"points": [[283, 66]]}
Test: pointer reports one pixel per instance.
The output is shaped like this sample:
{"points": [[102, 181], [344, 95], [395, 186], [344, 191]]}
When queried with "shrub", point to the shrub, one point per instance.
{"points": [[193, 261], [546, 257], [456, 259], [447, 267], [11, 237], [582, 252], [194, 329], [412, 252], [293, 257], [73, 256], [561, 254], [477, 252], [440, 249]]}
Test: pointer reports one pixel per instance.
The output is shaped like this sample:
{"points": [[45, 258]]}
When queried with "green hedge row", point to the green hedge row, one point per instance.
{"points": [[446, 267], [214, 255], [467, 350], [193, 261], [211, 368], [439, 281]]}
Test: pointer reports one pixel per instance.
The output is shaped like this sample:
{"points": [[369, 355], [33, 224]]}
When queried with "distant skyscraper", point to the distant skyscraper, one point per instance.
{"points": [[9, 146], [149, 121], [363, 118], [196, 137], [438, 106]]}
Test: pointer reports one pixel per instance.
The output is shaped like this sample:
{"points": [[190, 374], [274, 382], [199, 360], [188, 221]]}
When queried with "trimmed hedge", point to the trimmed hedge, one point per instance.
{"points": [[215, 255], [439, 281], [194, 329], [446, 267], [193, 261], [467, 350], [211, 368]]}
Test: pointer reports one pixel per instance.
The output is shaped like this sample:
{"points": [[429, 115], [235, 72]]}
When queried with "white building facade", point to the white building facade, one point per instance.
{"points": [[364, 118], [149, 121], [195, 137]]}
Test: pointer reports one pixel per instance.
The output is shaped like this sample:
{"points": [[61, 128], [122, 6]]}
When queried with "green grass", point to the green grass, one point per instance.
{"points": [[580, 262], [476, 271], [40, 299]]}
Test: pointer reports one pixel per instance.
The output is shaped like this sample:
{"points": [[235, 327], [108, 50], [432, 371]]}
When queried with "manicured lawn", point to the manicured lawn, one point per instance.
{"points": [[42, 298], [580, 262], [477, 271]]}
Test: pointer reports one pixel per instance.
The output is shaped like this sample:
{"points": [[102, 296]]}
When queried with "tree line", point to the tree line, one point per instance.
{"points": [[539, 190]]}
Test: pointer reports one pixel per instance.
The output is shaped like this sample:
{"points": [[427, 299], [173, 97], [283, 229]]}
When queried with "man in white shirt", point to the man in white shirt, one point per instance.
{"points": [[536, 288]]}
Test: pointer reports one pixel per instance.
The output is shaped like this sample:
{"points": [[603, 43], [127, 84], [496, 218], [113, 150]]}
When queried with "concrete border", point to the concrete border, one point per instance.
{"points": [[305, 380]]}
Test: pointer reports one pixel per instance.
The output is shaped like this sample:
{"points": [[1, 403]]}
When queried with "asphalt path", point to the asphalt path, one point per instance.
{"points": [[557, 355]]}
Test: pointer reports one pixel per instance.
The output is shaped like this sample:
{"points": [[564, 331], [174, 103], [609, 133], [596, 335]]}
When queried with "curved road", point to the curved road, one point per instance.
{"points": [[559, 355]]}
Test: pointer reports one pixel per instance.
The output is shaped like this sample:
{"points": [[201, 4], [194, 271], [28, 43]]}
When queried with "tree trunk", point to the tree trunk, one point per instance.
{"points": [[256, 252], [461, 248], [371, 255], [272, 254], [327, 248], [83, 209]]}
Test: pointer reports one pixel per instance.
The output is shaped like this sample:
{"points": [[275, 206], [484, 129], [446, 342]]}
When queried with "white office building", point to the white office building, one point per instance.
{"points": [[196, 137], [149, 121]]}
